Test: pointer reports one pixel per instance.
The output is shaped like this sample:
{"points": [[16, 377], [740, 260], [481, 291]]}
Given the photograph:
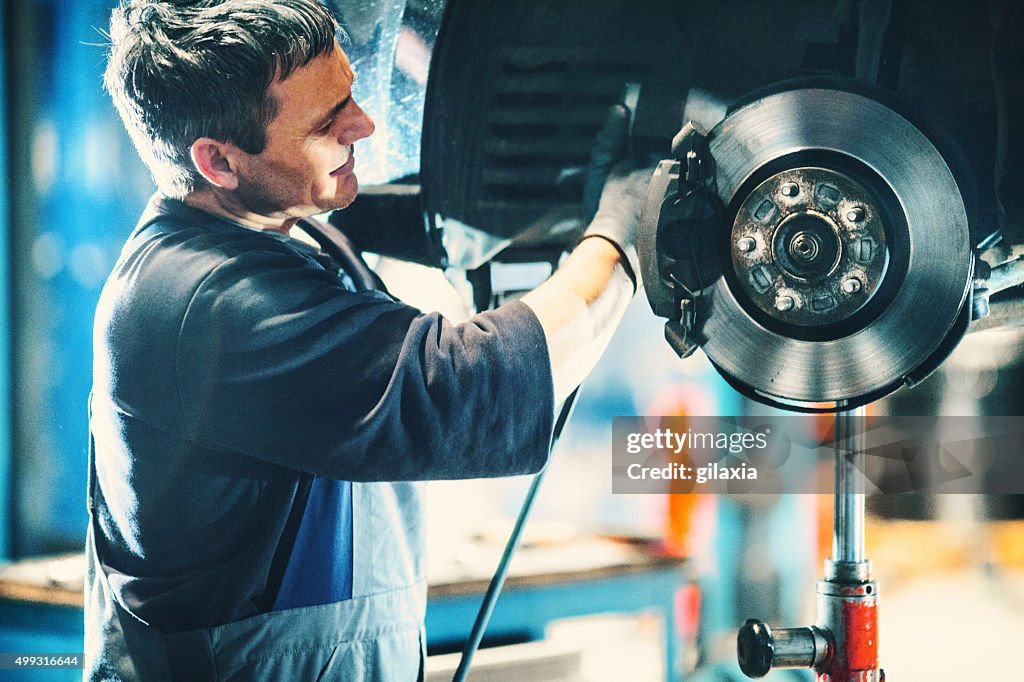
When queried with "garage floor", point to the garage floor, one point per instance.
{"points": [[960, 625], [952, 599]]}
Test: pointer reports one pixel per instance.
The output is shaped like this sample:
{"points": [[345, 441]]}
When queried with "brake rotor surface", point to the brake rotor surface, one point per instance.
{"points": [[849, 259]]}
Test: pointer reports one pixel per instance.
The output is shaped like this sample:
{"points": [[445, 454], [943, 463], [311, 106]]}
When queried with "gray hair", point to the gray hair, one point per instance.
{"points": [[178, 71]]}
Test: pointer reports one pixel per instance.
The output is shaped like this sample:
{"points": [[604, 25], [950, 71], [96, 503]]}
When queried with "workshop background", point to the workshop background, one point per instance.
{"points": [[607, 587]]}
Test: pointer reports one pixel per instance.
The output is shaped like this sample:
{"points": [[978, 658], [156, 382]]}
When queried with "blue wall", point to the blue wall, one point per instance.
{"points": [[87, 190], [5, 312]]}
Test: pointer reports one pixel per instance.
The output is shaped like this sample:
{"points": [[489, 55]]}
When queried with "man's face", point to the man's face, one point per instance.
{"points": [[307, 166]]}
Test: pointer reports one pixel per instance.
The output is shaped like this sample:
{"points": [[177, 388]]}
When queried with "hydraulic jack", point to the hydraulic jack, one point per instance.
{"points": [[843, 645]]}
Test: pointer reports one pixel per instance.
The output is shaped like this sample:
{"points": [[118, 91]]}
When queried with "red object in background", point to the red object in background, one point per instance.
{"points": [[687, 611]]}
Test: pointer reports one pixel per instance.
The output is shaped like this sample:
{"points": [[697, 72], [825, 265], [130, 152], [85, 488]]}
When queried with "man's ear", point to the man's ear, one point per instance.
{"points": [[216, 161]]}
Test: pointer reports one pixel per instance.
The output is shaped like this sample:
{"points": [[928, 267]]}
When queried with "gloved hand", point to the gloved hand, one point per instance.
{"points": [[615, 189]]}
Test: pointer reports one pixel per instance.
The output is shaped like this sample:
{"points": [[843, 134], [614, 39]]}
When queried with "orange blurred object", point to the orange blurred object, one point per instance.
{"points": [[680, 515]]}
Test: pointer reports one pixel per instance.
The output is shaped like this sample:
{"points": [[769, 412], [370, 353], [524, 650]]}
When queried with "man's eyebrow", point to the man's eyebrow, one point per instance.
{"points": [[332, 113]]}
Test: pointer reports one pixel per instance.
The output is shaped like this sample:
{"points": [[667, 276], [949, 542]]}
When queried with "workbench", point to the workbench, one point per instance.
{"points": [[41, 599]]}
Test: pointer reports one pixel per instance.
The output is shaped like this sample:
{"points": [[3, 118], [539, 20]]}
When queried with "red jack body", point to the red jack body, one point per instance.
{"points": [[848, 612]]}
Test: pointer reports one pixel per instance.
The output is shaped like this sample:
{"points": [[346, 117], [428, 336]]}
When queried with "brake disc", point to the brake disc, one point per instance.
{"points": [[846, 262]]}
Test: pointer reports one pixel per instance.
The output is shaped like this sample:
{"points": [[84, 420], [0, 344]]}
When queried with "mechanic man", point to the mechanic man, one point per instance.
{"points": [[260, 411]]}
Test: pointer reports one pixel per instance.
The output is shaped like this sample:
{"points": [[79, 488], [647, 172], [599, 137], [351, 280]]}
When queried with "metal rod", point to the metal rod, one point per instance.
{"points": [[483, 616], [1006, 275], [848, 521], [794, 648], [1006, 313]]}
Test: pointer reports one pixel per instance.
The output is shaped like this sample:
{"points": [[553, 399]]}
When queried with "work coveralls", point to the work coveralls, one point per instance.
{"points": [[250, 391]]}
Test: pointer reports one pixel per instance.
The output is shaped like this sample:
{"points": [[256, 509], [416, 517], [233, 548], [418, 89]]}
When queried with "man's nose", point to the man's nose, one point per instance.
{"points": [[358, 125]]}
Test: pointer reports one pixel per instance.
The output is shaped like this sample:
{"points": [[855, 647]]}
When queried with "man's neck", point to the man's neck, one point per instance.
{"points": [[218, 205]]}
